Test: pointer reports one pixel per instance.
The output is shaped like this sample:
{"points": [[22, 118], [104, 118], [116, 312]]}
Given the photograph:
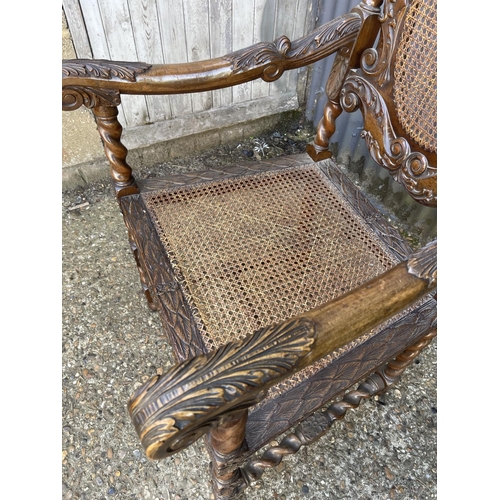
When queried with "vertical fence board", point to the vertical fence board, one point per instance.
{"points": [[221, 42], [285, 22], [264, 30], [76, 24], [112, 38], [95, 29], [300, 28], [243, 20], [97, 37], [173, 37], [146, 34], [196, 18]]}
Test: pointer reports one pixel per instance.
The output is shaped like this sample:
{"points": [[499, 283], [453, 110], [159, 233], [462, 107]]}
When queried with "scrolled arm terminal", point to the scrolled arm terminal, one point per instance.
{"points": [[172, 411]]}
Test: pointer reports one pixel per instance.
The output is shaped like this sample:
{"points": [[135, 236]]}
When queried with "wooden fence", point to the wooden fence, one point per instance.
{"points": [[170, 31]]}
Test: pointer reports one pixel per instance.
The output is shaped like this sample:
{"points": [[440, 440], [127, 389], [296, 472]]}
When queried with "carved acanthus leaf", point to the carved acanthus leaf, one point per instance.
{"points": [[172, 411], [378, 63], [73, 97], [387, 149], [324, 35], [411, 169], [261, 54], [337, 74], [423, 263], [103, 69], [274, 55]]}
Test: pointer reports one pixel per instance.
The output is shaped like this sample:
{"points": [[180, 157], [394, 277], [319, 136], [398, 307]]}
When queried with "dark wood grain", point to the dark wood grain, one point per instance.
{"points": [[173, 307], [262, 60], [377, 328], [173, 410]]}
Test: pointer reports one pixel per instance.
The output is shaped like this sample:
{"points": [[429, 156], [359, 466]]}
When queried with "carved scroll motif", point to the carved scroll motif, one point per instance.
{"points": [[75, 96], [104, 69], [411, 169], [274, 55], [173, 410], [375, 63], [337, 73]]}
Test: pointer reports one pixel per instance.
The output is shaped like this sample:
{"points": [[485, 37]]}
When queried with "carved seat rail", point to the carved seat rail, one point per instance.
{"points": [[211, 392], [171, 411]]}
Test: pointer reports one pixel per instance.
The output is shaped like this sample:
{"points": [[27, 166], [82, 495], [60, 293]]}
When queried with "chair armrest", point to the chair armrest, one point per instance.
{"points": [[262, 60], [173, 410]]}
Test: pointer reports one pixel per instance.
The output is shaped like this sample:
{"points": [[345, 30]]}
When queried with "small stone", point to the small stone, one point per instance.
{"points": [[111, 491], [98, 480], [305, 489], [137, 454], [389, 474], [64, 453], [109, 454], [118, 473]]}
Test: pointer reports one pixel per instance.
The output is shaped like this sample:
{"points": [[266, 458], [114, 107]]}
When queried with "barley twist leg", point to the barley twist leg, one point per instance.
{"points": [[319, 423], [111, 131]]}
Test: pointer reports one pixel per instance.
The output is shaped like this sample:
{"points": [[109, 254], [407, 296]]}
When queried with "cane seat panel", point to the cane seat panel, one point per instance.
{"points": [[256, 250], [229, 250], [415, 74]]}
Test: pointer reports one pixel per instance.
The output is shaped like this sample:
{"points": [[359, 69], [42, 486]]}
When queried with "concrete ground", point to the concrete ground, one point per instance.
{"points": [[112, 342]]}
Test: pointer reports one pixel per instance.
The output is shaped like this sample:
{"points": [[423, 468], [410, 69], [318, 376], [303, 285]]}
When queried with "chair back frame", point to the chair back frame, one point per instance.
{"points": [[376, 89]]}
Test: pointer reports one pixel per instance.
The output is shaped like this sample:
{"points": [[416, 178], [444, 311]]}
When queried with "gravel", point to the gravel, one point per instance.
{"points": [[112, 343]]}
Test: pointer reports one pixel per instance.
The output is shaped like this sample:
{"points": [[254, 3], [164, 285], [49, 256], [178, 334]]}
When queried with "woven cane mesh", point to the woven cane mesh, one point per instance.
{"points": [[415, 74], [259, 249]]}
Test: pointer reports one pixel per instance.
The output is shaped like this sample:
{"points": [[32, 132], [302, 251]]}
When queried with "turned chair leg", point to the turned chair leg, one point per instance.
{"points": [[110, 131], [315, 426], [318, 149], [224, 443]]}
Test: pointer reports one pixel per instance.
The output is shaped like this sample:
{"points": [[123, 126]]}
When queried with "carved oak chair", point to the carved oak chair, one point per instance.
{"points": [[278, 284]]}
